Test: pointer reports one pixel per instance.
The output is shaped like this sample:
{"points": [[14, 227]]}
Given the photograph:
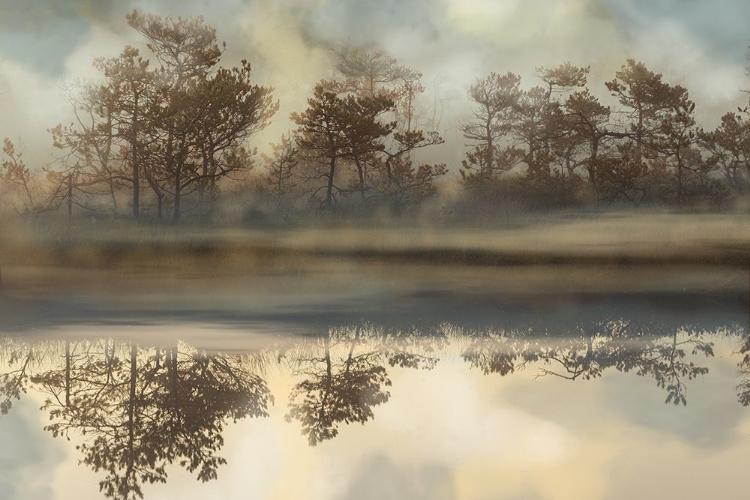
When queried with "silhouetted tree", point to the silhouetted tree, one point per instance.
{"points": [[131, 94], [495, 99], [139, 412], [375, 73], [729, 149], [334, 129], [206, 113], [90, 149], [343, 388], [280, 166], [647, 101]]}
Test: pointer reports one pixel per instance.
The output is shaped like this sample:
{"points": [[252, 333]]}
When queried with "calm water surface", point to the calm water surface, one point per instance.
{"points": [[441, 389]]}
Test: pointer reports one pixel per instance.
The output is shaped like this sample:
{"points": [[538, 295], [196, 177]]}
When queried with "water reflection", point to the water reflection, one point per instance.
{"points": [[658, 352], [346, 388], [743, 388], [138, 408], [133, 409]]}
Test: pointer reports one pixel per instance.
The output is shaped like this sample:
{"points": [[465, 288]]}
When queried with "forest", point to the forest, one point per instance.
{"points": [[167, 135]]}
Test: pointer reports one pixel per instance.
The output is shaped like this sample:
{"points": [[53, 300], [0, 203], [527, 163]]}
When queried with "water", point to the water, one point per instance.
{"points": [[378, 382]]}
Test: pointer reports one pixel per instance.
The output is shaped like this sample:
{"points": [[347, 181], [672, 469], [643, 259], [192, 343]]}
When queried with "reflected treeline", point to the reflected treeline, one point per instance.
{"points": [[136, 409], [659, 351]]}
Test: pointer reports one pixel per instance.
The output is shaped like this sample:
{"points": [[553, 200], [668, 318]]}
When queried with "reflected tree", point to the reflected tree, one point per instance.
{"points": [[743, 389], [20, 358], [139, 410], [349, 379]]}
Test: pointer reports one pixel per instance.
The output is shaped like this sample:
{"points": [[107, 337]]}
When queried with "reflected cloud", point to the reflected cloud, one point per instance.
{"points": [[377, 477], [26, 459]]}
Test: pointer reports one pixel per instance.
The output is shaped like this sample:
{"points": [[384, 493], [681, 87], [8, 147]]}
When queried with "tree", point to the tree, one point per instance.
{"points": [[365, 132], [90, 149], [372, 73], [31, 195], [334, 129], [186, 48], [206, 114], [210, 120], [729, 149], [593, 347], [743, 388], [321, 139], [336, 391], [368, 74], [16, 173], [20, 359], [281, 165], [131, 95], [562, 78], [549, 134], [411, 184], [605, 174], [404, 183], [495, 99], [676, 139], [646, 99]]}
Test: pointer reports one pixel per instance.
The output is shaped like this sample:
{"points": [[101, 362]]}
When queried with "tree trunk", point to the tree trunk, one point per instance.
{"points": [[329, 191], [361, 174], [134, 162], [388, 171], [131, 408], [67, 373], [70, 196], [177, 208], [592, 167], [679, 181], [490, 160]]}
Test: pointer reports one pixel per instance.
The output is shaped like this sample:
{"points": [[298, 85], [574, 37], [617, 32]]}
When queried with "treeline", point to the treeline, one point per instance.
{"points": [[167, 134], [567, 148]]}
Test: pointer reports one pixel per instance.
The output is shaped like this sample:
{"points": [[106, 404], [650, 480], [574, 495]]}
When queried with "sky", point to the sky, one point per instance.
{"points": [[701, 44]]}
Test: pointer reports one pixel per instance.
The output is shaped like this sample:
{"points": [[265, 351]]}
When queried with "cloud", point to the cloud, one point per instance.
{"points": [[42, 34]]}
